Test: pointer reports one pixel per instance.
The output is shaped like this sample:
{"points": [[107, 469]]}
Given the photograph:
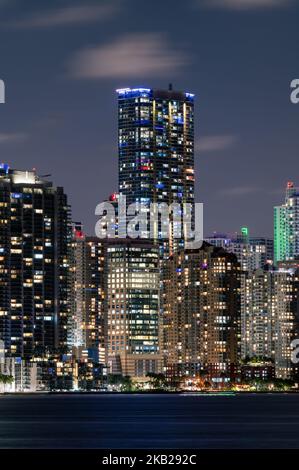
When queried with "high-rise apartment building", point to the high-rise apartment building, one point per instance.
{"points": [[270, 317], [87, 326], [156, 150], [35, 237], [286, 226], [256, 316], [285, 314], [132, 307], [252, 252], [156, 165], [201, 311]]}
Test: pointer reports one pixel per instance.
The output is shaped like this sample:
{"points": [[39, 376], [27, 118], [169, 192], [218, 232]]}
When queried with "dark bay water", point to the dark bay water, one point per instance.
{"points": [[149, 421]]}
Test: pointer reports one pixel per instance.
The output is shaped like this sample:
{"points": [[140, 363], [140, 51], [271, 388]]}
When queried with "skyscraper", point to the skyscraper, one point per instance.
{"points": [[34, 264], [132, 307], [270, 317], [286, 226], [285, 315], [201, 311], [156, 149], [252, 252], [156, 165], [256, 315], [87, 328]]}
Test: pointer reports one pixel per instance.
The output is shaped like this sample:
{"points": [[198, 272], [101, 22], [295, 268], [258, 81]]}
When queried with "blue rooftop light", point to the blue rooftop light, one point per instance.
{"points": [[123, 91], [141, 90], [5, 167]]}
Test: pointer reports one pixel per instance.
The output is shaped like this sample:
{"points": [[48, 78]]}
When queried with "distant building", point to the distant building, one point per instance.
{"points": [[252, 252], [34, 264], [286, 226], [201, 312], [26, 375], [251, 372], [132, 307]]}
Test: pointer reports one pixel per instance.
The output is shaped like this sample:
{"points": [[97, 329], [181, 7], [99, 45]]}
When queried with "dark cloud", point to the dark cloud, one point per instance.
{"points": [[7, 138], [129, 56], [214, 143], [243, 4], [68, 16]]}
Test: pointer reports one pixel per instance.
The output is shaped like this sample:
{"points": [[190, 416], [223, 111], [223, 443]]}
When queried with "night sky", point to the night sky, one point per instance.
{"points": [[62, 61]]}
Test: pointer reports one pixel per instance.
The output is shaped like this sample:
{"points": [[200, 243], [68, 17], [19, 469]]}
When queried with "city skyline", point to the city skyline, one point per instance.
{"points": [[56, 117], [149, 231], [122, 308], [217, 234]]}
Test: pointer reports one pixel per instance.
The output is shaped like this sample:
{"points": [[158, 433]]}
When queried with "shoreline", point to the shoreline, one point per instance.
{"points": [[160, 392]]}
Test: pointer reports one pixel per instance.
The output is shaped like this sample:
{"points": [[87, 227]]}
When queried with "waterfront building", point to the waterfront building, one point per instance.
{"points": [[201, 312], [131, 296], [256, 315], [87, 326], [35, 235], [26, 376], [270, 318]]}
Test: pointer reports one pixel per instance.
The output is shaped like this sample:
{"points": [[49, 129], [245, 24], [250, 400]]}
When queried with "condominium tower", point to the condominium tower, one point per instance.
{"points": [[34, 264], [201, 311], [132, 307], [156, 150], [87, 325], [286, 226]]}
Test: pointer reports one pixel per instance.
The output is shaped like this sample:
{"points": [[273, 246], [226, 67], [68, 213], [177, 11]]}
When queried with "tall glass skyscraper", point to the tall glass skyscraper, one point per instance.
{"points": [[286, 226], [131, 298], [34, 264], [156, 146]]}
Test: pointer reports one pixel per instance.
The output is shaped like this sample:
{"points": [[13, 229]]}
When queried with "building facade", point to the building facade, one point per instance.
{"points": [[26, 376], [132, 307], [252, 252], [256, 316], [269, 318], [286, 226], [34, 264], [87, 328], [201, 312], [285, 314], [156, 151]]}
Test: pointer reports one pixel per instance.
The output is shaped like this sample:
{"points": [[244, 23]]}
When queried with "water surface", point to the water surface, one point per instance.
{"points": [[149, 421]]}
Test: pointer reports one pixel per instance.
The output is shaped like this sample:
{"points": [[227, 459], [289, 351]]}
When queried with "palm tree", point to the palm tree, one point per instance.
{"points": [[6, 379], [158, 380]]}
